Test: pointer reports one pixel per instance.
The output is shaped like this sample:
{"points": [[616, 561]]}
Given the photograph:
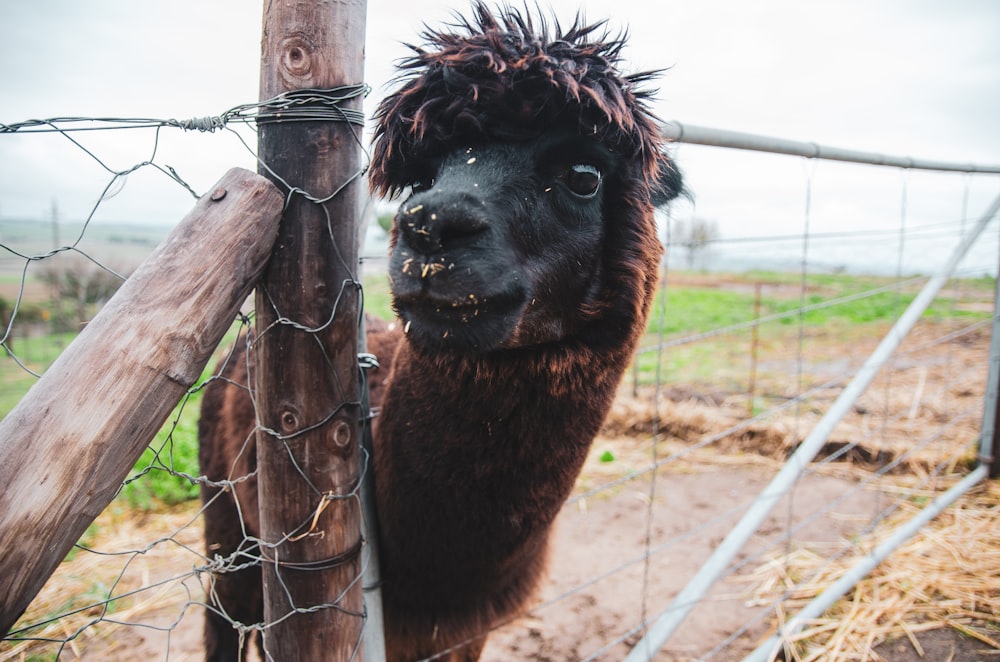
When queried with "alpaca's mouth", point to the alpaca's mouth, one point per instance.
{"points": [[463, 311], [471, 323]]}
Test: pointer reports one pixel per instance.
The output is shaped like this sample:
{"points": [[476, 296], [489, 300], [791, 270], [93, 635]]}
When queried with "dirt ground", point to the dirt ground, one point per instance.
{"points": [[609, 532], [598, 587], [602, 537]]}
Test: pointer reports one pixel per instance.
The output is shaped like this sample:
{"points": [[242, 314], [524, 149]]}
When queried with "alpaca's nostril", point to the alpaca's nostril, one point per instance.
{"points": [[454, 229]]}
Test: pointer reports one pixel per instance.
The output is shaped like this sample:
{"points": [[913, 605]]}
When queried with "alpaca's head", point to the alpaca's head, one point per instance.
{"points": [[533, 166]]}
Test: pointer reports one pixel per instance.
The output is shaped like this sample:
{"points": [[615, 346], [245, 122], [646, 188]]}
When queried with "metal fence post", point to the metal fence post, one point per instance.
{"points": [[988, 442]]}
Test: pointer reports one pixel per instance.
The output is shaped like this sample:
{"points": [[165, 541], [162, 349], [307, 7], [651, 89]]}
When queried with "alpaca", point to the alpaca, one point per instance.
{"points": [[523, 263]]}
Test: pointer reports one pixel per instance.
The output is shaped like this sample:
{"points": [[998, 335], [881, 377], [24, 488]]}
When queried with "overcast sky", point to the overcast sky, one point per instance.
{"points": [[904, 77]]}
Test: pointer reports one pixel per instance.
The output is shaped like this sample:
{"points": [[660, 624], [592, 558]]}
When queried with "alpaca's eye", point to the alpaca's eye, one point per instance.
{"points": [[419, 185], [583, 179]]}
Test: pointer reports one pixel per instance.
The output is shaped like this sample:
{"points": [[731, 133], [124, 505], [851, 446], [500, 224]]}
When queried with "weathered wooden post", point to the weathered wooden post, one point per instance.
{"points": [[306, 341]]}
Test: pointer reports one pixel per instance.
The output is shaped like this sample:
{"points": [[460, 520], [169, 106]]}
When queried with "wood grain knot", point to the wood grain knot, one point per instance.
{"points": [[289, 420], [297, 56], [341, 434]]}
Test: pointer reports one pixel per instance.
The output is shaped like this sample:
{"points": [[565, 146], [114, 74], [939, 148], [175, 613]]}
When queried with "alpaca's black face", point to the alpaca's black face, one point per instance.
{"points": [[499, 244]]}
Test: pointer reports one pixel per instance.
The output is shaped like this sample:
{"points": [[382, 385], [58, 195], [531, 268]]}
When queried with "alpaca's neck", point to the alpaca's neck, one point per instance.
{"points": [[474, 458], [526, 416], [527, 386]]}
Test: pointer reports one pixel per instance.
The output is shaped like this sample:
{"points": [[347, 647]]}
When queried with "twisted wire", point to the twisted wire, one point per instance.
{"points": [[305, 105]]}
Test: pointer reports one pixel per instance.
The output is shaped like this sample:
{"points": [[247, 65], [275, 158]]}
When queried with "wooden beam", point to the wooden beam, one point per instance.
{"points": [[69, 443]]}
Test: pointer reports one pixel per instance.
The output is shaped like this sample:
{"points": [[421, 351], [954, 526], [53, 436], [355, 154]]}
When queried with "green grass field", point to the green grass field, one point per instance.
{"points": [[692, 304]]}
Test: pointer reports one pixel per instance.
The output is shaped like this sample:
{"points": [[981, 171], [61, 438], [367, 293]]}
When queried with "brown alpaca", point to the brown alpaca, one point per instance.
{"points": [[523, 266]]}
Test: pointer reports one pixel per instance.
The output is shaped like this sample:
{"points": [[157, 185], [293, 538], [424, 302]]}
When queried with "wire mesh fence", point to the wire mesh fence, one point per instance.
{"points": [[111, 577], [57, 274]]}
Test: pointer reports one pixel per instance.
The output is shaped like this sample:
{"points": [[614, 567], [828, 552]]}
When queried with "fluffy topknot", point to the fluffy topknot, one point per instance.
{"points": [[503, 76]]}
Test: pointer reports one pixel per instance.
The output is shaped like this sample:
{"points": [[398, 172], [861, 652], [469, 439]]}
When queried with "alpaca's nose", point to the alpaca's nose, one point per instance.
{"points": [[435, 222]]}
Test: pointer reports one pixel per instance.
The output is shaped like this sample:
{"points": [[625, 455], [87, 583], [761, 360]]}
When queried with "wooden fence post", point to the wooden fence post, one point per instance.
{"points": [[73, 438], [306, 341]]}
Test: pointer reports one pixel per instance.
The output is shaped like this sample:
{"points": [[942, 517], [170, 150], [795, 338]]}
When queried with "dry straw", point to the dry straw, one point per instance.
{"points": [[947, 576], [92, 597]]}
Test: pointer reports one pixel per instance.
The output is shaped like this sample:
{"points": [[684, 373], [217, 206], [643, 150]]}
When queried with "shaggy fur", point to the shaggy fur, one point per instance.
{"points": [[499, 78], [524, 293]]}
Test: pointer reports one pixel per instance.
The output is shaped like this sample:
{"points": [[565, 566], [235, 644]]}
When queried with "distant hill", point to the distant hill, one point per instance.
{"points": [[119, 245]]}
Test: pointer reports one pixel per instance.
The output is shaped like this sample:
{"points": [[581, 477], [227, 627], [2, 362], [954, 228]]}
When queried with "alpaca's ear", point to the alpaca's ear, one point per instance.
{"points": [[668, 184]]}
